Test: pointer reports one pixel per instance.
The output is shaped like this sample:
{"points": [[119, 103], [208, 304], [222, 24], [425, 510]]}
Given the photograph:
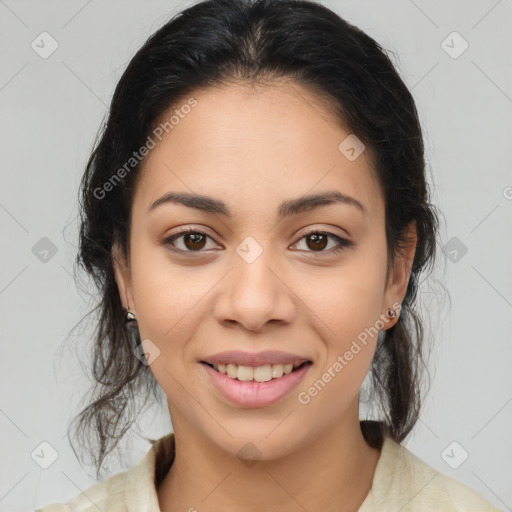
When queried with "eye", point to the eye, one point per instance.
{"points": [[192, 240], [318, 240]]}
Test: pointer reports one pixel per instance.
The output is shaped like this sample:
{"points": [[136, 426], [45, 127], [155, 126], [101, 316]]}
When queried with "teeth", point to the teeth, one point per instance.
{"points": [[257, 373]]}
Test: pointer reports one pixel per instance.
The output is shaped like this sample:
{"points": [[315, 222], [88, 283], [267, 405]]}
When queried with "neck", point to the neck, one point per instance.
{"points": [[335, 469]]}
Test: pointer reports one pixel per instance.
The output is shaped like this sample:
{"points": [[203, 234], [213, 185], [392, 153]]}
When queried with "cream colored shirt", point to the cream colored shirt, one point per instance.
{"points": [[402, 482]]}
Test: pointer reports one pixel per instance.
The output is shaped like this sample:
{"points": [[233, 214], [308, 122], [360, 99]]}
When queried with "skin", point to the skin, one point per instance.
{"points": [[253, 148]]}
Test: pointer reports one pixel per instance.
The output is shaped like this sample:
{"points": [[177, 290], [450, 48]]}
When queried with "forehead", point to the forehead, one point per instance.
{"points": [[253, 147]]}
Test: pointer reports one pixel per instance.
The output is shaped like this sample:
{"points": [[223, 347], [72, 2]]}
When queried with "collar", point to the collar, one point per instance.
{"points": [[144, 478]]}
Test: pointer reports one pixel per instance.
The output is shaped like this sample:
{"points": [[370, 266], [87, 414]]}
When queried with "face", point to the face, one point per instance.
{"points": [[262, 271]]}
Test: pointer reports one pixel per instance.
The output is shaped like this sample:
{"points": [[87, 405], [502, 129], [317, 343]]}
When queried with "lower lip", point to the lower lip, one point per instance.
{"points": [[256, 394]]}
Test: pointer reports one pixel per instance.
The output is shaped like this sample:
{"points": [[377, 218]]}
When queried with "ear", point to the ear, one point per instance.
{"points": [[400, 274], [123, 277]]}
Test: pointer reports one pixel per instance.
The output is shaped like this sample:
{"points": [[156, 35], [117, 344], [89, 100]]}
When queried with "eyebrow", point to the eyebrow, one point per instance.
{"points": [[286, 208]]}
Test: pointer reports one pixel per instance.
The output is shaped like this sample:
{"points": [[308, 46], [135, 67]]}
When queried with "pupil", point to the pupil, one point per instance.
{"points": [[316, 238], [196, 239]]}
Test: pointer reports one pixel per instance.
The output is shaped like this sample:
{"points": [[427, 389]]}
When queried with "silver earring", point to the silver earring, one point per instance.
{"points": [[130, 317]]}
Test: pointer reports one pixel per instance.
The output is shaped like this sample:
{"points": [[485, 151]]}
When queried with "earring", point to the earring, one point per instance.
{"points": [[130, 317], [392, 313]]}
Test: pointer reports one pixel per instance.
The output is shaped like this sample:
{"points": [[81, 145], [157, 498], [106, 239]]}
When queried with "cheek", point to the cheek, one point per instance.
{"points": [[168, 301], [346, 314], [346, 299], [167, 296], [344, 307]]}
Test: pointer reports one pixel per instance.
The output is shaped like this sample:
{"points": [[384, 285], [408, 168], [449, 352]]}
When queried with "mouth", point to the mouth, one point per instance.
{"points": [[256, 386], [263, 373]]}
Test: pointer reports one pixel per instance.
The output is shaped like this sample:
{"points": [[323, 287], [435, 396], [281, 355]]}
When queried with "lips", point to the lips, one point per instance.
{"points": [[251, 393], [269, 357]]}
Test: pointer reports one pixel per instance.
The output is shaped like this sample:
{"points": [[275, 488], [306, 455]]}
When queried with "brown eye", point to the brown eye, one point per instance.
{"points": [[196, 241], [189, 240], [317, 241]]}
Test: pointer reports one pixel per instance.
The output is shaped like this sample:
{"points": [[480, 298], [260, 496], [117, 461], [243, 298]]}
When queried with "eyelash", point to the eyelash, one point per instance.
{"points": [[343, 243]]}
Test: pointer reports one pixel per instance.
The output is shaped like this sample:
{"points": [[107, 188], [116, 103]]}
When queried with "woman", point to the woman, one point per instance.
{"points": [[256, 217]]}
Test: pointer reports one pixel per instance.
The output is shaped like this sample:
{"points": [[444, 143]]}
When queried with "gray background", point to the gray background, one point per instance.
{"points": [[51, 110]]}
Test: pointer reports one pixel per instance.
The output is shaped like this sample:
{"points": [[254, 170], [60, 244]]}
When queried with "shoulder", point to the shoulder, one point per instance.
{"points": [[127, 491], [108, 496], [403, 481]]}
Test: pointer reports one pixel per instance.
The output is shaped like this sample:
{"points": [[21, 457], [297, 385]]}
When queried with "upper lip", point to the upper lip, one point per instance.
{"points": [[241, 358]]}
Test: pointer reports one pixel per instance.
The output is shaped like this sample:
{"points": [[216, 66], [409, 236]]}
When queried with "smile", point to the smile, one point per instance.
{"points": [[262, 373], [276, 382]]}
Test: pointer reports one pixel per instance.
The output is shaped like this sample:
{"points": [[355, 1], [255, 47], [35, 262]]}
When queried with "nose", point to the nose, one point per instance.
{"points": [[256, 293]]}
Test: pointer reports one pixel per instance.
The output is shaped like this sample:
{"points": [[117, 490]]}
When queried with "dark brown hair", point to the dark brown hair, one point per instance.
{"points": [[215, 42]]}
